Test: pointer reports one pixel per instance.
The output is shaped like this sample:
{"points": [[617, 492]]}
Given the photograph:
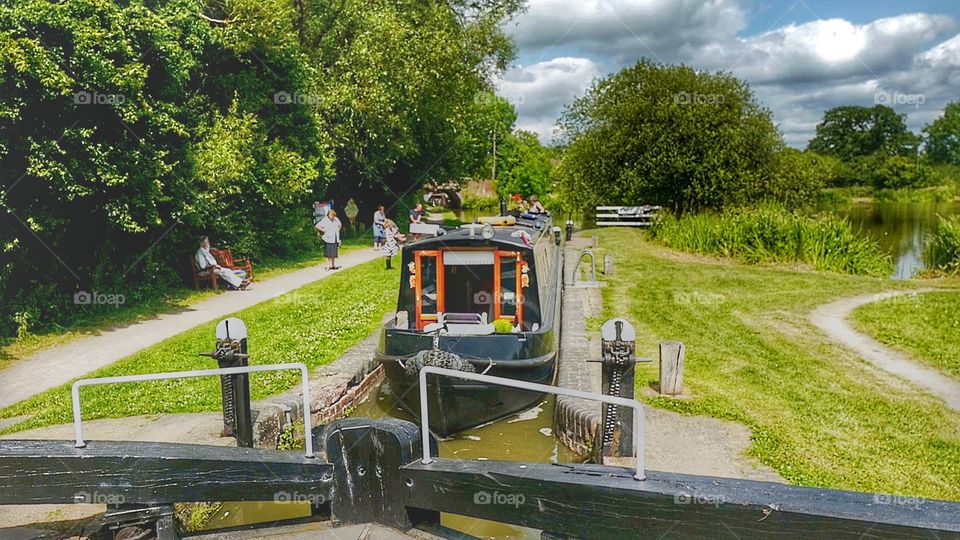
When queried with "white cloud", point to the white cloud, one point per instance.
{"points": [[797, 70], [539, 92]]}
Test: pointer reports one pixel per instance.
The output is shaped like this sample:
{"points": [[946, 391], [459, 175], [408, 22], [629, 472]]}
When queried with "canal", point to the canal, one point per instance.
{"points": [[901, 228], [527, 436]]}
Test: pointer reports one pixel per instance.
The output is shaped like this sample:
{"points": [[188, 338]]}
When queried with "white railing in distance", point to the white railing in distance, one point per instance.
{"points": [[304, 382], [524, 385]]}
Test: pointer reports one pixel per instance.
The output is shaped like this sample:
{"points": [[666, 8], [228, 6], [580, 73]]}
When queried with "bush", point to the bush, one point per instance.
{"points": [[771, 234], [942, 250]]}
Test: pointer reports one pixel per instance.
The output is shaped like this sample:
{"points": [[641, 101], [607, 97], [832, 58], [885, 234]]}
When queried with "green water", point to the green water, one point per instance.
{"points": [[527, 436], [901, 228]]}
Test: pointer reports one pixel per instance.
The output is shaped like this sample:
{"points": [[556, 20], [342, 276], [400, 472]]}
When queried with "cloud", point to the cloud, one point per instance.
{"points": [[798, 70], [540, 91]]}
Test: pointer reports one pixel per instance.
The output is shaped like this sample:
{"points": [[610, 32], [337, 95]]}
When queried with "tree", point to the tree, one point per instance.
{"points": [[943, 136], [526, 166], [666, 135], [849, 132]]}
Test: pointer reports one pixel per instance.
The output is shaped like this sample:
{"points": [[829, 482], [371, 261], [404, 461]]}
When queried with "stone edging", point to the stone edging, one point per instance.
{"points": [[577, 421], [334, 388]]}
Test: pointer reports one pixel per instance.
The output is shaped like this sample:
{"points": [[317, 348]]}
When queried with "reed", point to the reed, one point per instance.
{"points": [[769, 234], [942, 249]]}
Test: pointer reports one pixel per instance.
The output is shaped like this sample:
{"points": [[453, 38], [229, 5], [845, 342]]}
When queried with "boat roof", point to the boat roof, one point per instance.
{"points": [[503, 235]]}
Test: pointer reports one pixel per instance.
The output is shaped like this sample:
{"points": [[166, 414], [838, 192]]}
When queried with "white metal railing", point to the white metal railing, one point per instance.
{"points": [[524, 385], [626, 216], [304, 382]]}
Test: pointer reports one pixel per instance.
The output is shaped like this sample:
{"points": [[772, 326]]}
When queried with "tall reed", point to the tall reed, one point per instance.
{"points": [[769, 234], [942, 249]]}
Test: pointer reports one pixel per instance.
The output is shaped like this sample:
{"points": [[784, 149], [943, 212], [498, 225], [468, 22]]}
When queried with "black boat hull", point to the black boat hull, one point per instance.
{"points": [[456, 405]]}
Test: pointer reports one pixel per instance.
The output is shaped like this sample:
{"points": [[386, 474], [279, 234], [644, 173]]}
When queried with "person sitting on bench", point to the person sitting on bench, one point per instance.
{"points": [[206, 263]]}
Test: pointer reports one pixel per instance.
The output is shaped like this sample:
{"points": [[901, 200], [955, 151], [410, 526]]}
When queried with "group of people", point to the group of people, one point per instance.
{"points": [[386, 237]]}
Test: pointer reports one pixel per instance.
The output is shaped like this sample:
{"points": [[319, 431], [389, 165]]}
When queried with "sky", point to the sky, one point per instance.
{"points": [[800, 57]]}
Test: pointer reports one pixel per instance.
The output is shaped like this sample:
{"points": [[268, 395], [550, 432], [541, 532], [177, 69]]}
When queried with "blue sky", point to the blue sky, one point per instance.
{"points": [[801, 57]]}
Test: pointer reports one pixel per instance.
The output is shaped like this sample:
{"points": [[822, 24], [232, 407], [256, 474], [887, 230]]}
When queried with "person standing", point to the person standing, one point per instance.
{"points": [[416, 216], [393, 240], [329, 228], [379, 219], [207, 263]]}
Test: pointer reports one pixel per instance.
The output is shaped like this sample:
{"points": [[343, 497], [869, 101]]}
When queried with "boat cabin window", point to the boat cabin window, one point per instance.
{"points": [[468, 287]]}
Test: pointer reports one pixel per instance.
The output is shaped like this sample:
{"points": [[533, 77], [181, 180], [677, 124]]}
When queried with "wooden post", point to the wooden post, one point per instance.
{"points": [[672, 355], [368, 484], [608, 265]]}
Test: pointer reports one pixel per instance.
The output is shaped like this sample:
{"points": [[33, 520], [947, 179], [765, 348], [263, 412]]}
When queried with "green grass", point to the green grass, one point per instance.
{"points": [[942, 250], [105, 318], [925, 326], [773, 235], [819, 415], [314, 324]]}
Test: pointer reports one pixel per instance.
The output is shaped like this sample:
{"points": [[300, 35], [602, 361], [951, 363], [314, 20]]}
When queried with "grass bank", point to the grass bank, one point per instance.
{"points": [[848, 195], [819, 414], [773, 235], [314, 324], [925, 326], [102, 318]]}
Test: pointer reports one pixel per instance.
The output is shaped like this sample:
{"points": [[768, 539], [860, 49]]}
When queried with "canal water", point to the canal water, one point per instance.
{"points": [[526, 436], [901, 228]]}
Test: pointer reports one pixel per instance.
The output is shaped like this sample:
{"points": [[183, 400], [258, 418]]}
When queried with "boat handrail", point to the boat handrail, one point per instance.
{"points": [[638, 416]]}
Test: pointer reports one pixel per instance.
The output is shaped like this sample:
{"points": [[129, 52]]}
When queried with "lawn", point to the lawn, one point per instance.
{"points": [[926, 326], [819, 414], [314, 324], [12, 350]]}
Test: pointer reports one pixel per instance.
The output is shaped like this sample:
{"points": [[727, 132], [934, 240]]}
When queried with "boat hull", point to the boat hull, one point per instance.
{"points": [[456, 405]]}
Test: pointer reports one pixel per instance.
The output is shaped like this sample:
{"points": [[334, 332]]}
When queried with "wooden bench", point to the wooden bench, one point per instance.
{"points": [[200, 278], [225, 259]]}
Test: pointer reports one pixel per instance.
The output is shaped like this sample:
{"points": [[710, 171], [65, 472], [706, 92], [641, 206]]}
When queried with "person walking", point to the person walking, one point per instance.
{"points": [[393, 240], [329, 229], [379, 219]]}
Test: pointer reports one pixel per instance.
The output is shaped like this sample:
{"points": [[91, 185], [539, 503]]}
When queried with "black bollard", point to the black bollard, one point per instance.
{"points": [[503, 206], [618, 346], [231, 351], [569, 229]]}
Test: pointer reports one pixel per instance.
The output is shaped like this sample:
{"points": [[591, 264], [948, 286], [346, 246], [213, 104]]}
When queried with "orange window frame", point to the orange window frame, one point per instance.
{"points": [[422, 319]]}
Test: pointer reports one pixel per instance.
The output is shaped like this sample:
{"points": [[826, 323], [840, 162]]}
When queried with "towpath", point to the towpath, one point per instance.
{"points": [[61, 364], [832, 319]]}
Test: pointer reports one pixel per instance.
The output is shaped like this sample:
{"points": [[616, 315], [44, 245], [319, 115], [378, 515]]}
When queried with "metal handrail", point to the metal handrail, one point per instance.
{"points": [[637, 407], [304, 382]]}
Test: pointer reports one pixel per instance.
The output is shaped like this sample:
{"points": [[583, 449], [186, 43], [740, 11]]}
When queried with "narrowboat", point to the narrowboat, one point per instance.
{"points": [[483, 298]]}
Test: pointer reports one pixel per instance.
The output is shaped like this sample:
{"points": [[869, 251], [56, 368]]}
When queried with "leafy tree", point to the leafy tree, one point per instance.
{"points": [[666, 135], [526, 166], [943, 136], [849, 132], [798, 177], [898, 172]]}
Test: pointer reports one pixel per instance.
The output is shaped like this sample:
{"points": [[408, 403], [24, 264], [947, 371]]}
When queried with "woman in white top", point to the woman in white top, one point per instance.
{"points": [[379, 219], [329, 228]]}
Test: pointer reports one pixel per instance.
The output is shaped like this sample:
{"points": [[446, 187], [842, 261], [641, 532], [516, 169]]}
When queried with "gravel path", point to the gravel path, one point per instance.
{"points": [[61, 364], [832, 319]]}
